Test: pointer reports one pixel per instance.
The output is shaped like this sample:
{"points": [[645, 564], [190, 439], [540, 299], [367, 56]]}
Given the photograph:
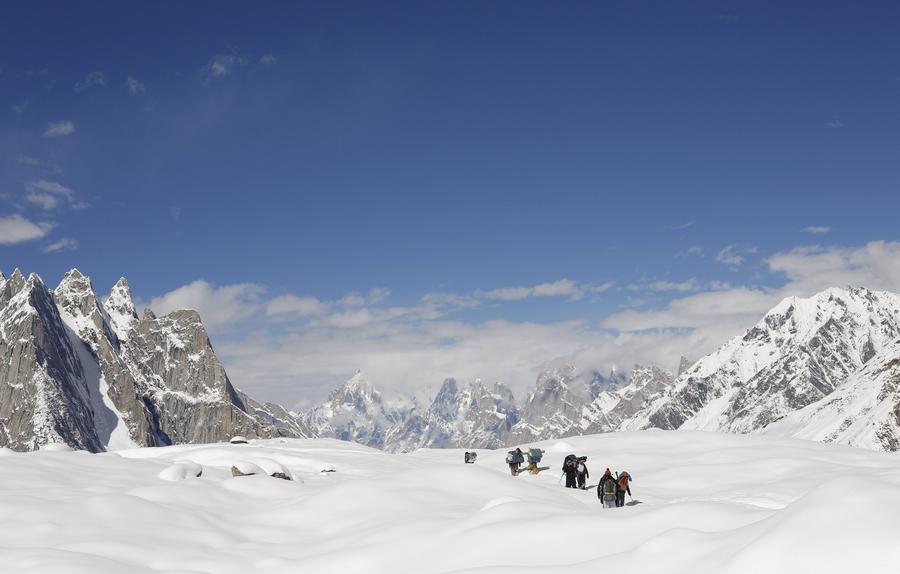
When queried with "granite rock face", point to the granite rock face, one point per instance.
{"points": [[89, 373]]}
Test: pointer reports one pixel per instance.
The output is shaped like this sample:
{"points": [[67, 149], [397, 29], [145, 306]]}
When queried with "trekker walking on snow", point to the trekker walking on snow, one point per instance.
{"points": [[606, 489], [582, 472], [514, 458], [570, 467], [621, 488], [534, 459]]}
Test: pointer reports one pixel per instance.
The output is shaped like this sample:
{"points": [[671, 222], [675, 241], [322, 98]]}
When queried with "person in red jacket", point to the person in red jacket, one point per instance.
{"points": [[622, 487]]}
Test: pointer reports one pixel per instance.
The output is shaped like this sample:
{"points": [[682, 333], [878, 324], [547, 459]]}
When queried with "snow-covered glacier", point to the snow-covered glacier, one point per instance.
{"points": [[701, 503]]}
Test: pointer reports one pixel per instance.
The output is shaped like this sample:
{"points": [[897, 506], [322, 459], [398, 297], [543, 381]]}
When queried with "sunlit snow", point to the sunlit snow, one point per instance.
{"points": [[702, 502]]}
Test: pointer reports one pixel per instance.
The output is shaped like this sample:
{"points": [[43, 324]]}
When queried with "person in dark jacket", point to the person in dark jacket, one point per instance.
{"points": [[570, 468], [606, 489], [622, 487], [514, 459], [582, 472]]}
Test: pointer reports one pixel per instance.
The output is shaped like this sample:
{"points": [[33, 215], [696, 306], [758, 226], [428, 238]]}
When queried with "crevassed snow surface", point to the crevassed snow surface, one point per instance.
{"points": [[703, 502]]}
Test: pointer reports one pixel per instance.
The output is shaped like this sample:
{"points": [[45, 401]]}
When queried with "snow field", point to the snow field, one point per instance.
{"points": [[703, 502]]}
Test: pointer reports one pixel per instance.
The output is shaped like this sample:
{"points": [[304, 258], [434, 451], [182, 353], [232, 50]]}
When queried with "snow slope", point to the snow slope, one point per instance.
{"points": [[704, 503]]}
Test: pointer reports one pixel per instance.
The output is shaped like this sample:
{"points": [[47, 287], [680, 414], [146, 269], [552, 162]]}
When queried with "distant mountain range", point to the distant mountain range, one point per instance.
{"points": [[91, 373]]}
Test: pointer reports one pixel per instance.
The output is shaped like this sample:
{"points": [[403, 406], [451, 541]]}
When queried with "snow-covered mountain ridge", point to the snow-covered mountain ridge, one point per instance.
{"points": [[804, 354], [825, 367], [89, 372]]}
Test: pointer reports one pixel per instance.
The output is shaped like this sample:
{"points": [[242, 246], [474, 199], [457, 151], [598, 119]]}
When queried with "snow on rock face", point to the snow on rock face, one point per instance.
{"points": [[187, 388], [799, 353], [473, 415], [553, 409], [43, 399], [705, 503], [69, 377], [863, 412], [120, 309], [356, 412]]}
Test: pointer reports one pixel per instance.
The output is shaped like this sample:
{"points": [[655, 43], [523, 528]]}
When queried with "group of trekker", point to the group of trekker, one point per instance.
{"points": [[611, 489], [515, 458]]}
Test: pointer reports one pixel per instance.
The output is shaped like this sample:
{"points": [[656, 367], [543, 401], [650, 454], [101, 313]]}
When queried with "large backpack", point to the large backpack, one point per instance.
{"points": [[622, 482], [535, 455], [570, 457], [609, 486]]}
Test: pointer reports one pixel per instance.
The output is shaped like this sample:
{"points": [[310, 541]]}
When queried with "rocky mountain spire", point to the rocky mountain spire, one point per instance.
{"points": [[120, 308]]}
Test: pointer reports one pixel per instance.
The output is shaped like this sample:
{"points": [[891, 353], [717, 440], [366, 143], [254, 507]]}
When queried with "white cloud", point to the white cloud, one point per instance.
{"points": [[835, 123], [58, 129], [65, 244], [47, 194], [876, 265], [268, 60], [222, 65], [89, 81], [692, 251], [408, 356], [733, 255], [219, 307], [26, 160], [560, 288], [296, 306], [135, 86], [43, 200], [662, 286], [681, 226], [816, 229], [17, 229], [703, 321], [373, 297]]}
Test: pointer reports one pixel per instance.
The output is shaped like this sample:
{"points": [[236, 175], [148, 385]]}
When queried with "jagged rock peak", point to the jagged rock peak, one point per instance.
{"points": [[149, 315], [73, 274], [120, 297], [356, 388], [562, 374], [448, 388], [17, 278], [74, 280], [120, 308]]}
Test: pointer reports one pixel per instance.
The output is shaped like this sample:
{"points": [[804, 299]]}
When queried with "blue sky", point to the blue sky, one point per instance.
{"points": [[470, 189]]}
